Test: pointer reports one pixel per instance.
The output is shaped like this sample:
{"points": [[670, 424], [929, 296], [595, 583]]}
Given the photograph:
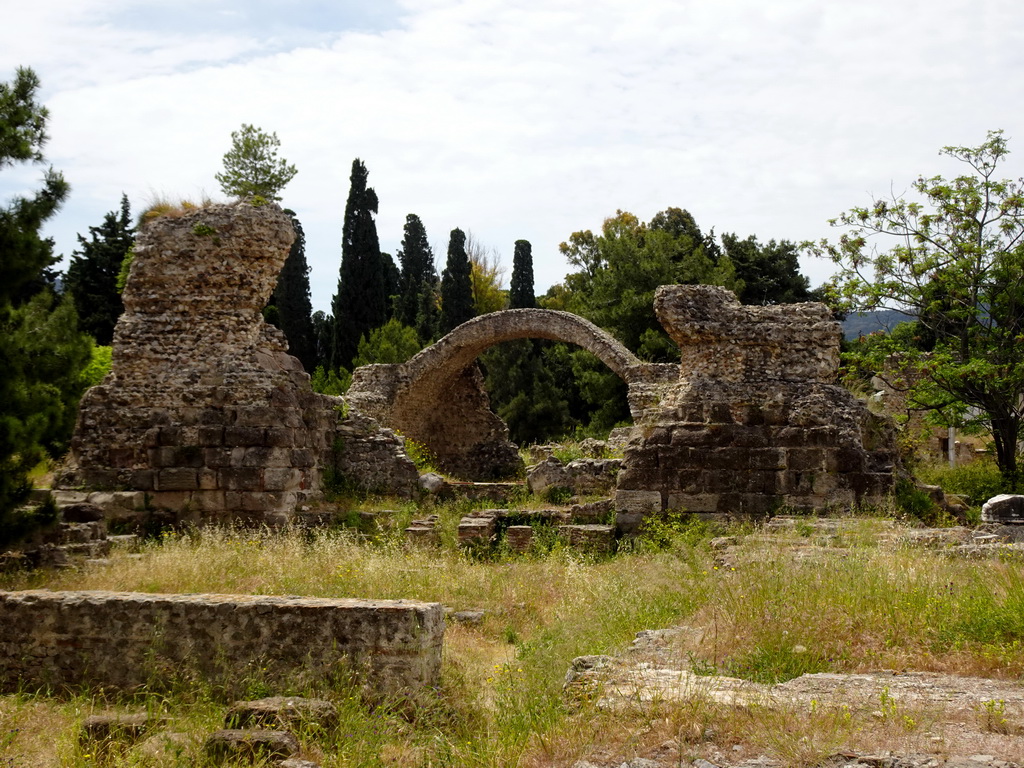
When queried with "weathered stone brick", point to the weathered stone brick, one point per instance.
{"points": [[243, 435], [177, 479], [240, 478], [282, 479]]}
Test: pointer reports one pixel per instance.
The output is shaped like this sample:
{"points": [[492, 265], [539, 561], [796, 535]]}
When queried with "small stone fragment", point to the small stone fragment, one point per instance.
{"points": [[236, 744]]}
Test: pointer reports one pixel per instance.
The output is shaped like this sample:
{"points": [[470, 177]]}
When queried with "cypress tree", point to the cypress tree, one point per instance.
{"points": [[520, 295], [522, 389], [418, 271], [92, 274], [292, 301], [361, 302], [456, 285]]}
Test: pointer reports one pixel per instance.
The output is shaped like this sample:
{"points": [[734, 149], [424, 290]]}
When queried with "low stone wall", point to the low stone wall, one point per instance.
{"points": [[128, 639]]}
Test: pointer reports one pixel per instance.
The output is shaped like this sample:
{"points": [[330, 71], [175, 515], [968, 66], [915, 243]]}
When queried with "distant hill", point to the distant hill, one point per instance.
{"points": [[864, 323]]}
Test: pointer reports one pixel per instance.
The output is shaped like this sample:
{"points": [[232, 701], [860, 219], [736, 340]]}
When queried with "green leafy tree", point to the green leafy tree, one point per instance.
{"points": [[620, 269], [42, 351], [770, 273], [361, 301], [456, 285], [392, 343], [292, 304], [957, 266], [93, 273], [485, 278], [252, 167]]}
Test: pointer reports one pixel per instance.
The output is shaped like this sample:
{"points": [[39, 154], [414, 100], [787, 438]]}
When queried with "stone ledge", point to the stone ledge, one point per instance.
{"points": [[129, 639]]}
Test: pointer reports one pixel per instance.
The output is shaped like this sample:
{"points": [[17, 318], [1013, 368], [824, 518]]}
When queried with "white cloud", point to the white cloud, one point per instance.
{"points": [[526, 119]]}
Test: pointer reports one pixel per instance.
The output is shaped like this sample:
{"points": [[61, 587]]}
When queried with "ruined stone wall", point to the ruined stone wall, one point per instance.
{"points": [[755, 420], [124, 640], [204, 410], [437, 398]]}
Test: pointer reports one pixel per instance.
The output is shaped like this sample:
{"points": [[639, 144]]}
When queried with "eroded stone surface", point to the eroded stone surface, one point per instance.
{"points": [[122, 640], [204, 410], [754, 421]]}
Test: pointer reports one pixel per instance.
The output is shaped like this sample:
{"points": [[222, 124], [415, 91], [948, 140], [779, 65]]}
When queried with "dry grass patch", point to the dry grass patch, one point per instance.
{"points": [[770, 614]]}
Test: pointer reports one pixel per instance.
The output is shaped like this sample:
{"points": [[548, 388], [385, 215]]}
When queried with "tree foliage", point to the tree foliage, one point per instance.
{"points": [[620, 268], [252, 167], [523, 390], [456, 285], [520, 294], [92, 275], [956, 264], [392, 343], [291, 300], [361, 301], [485, 277], [769, 273], [417, 305], [42, 351]]}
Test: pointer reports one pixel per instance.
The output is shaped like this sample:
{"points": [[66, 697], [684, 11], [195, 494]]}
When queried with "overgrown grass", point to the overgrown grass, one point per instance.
{"points": [[976, 482], [766, 616]]}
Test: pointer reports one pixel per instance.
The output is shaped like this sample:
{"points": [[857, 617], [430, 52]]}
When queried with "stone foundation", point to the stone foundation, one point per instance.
{"points": [[124, 640], [755, 421]]}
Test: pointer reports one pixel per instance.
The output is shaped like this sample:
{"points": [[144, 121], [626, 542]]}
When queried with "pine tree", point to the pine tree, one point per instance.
{"points": [[252, 167], [43, 354], [456, 285], [292, 302], [361, 302], [92, 274], [520, 295]]}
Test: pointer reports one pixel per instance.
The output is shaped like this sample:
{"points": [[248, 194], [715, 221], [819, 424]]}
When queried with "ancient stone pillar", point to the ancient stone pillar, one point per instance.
{"points": [[204, 410]]}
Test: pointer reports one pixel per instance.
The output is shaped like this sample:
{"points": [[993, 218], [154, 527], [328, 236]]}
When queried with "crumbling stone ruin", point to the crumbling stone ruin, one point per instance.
{"points": [[204, 410], [437, 398], [755, 420], [205, 413]]}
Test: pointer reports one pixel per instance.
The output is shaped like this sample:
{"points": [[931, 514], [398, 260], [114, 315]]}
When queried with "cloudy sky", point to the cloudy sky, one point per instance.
{"points": [[519, 118]]}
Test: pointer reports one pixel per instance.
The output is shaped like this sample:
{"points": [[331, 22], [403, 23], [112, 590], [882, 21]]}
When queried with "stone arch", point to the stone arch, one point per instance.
{"points": [[437, 397]]}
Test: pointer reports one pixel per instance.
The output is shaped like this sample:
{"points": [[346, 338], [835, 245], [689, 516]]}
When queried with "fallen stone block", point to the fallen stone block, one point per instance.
{"points": [[236, 744], [281, 711], [598, 539], [1004, 508], [124, 640], [519, 537]]}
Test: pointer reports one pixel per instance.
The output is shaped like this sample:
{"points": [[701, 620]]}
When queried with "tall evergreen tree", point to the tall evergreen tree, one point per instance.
{"points": [[92, 274], [42, 351], [520, 295], [522, 388], [361, 302], [418, 276], [292, 301], [456, 285]]}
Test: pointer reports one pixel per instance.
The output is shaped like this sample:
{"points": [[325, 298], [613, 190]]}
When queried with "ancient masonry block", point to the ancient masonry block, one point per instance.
{"points": [[204, 411], [755, 421], [123, 640]]}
